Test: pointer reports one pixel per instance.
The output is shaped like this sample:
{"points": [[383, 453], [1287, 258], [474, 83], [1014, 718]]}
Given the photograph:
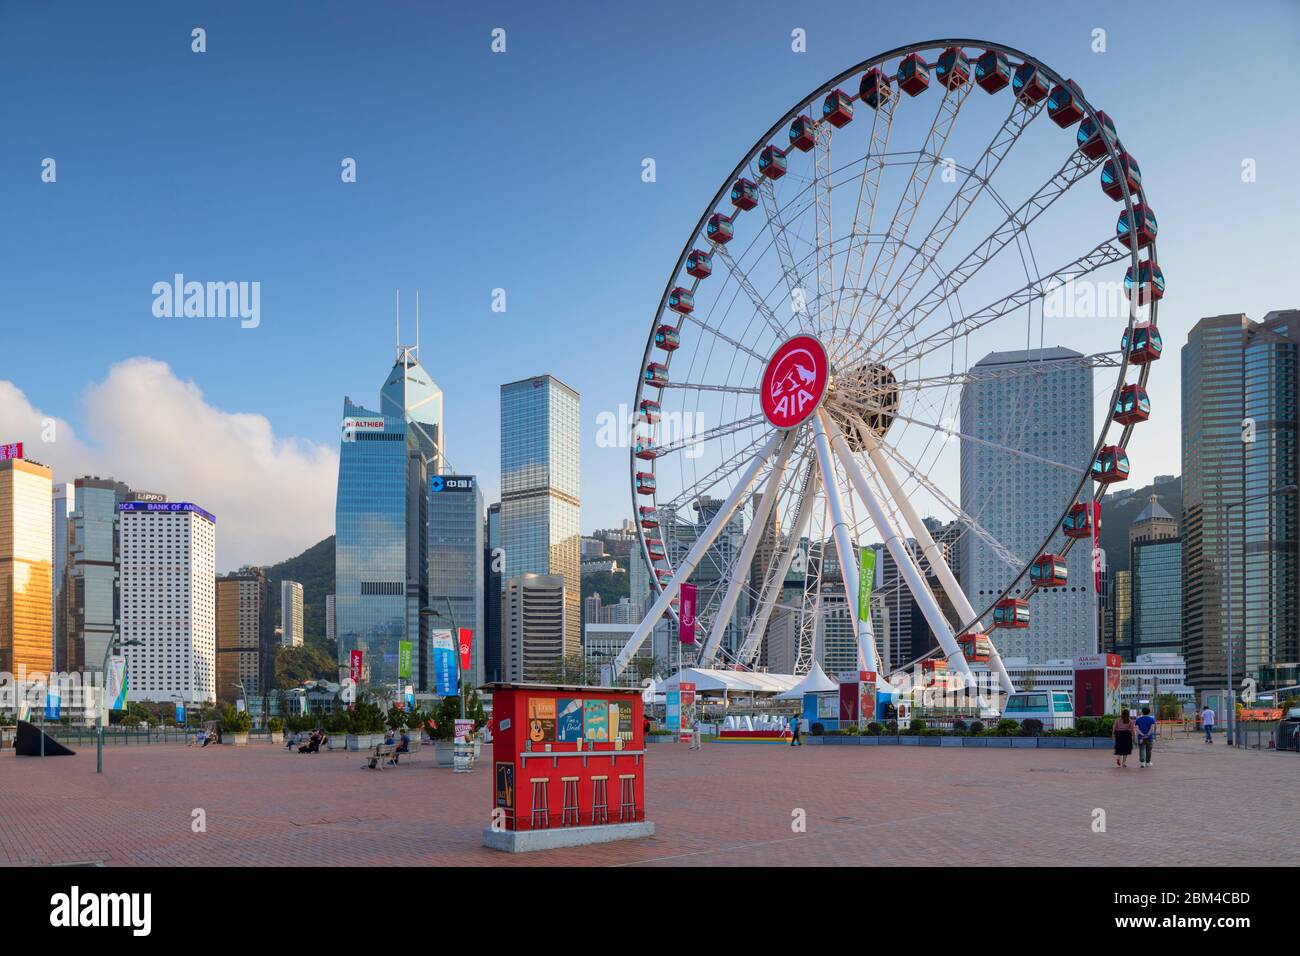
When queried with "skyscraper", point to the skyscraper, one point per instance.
{"points": [[65, 499], [26, 568], [168, 595], [381, 518], [290, 614], [493, 588], [244, 631], [540, 489], [536, 646], [1241, 389], [455, 547], [1038, 402]]}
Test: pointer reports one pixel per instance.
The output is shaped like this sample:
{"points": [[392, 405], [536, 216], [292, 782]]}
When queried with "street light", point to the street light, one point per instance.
{"points": [[428, 612], [1232, 694], [113, 641]]}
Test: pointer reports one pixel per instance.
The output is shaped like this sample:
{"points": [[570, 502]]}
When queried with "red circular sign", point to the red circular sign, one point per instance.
{"points": [[794, 382]]}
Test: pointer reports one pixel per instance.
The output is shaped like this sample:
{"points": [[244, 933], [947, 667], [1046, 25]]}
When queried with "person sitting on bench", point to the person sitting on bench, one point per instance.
{"points": [[403, 747]]}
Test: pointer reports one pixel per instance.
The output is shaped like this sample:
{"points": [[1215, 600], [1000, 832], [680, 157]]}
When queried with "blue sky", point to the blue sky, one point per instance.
{"points": [[520, 171]]}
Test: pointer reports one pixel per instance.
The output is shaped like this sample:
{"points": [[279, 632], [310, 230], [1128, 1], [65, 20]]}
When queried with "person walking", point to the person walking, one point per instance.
{"points": [[1207, 721], [1146, 731], [695, 735], [1121, 731], [794, 732]]}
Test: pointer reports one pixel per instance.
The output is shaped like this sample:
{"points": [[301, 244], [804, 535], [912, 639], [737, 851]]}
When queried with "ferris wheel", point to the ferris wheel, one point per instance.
{"points": [[809, 379]]}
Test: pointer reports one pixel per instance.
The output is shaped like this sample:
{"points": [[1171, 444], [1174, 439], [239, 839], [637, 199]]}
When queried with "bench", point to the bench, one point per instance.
{"points": [[381, 754]]}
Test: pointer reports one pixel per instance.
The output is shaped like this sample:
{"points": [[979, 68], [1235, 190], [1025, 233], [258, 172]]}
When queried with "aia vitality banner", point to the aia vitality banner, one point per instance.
{"points": [[687, 628]]}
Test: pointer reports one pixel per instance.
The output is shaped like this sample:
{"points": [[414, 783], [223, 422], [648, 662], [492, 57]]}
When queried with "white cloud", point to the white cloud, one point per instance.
{"points": [[273, 496]]}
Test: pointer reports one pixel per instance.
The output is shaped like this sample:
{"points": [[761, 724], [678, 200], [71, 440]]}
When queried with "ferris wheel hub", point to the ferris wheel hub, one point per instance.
{"points": [[861, 398]]}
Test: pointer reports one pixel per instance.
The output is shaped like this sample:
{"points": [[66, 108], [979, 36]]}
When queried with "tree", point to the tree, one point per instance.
{"points": [[294, 665]]}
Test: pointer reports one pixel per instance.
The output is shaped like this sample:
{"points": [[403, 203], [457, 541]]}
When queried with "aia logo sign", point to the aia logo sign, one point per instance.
{"points": [[794, 381]]}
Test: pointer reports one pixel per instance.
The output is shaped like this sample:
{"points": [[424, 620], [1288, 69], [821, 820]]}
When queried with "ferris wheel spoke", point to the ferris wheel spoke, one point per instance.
{"points": [[1075, 168], [742, 279], [824, 251], [705, 387], [913, 194], [777, 227], [1004, 554], [1074, 470], [1012, 371], [970, 190], [1102, 255], [702, 544], [719, 474], [740, 567], [713, 330], [698, 438]]}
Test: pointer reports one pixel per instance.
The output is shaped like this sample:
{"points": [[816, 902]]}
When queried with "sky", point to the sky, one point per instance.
{"points": [[479, 171]]}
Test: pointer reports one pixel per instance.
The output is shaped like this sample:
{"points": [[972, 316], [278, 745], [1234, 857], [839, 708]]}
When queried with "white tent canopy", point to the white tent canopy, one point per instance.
{"points": [[814, 682], [707, 680]]}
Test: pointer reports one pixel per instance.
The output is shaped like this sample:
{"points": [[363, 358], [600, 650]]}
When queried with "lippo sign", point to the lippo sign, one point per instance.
{"points": [[794, 382]]}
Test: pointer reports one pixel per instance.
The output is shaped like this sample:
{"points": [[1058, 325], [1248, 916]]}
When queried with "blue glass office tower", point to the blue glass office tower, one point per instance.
{"points": [[381, 520], [455, 559]]}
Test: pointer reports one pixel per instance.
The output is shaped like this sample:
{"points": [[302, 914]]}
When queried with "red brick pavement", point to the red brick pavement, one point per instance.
{"points": [[727, 805]]}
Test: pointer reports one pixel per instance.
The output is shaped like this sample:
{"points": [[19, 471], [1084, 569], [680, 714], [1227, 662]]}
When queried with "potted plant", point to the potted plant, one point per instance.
{"points": [[444, 733], [235, 725], [276, 727], [366, 720], [337, 726]]}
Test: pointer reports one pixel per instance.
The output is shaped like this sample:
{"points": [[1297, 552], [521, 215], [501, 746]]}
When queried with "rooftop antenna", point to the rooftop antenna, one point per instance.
{"points": [[417, 321], [399, 318]]}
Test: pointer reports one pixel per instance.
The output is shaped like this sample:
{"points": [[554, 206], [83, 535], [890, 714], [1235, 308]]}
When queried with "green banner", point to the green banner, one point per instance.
{"points": [[403, 658], [866, 577]]}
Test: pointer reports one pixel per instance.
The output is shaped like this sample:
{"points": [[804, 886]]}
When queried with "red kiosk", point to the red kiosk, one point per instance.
{"points": [[568, 766]]}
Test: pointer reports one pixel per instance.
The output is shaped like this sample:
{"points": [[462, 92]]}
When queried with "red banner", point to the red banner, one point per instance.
{"points": [[686, 630], [466, 642], [354, 667]]}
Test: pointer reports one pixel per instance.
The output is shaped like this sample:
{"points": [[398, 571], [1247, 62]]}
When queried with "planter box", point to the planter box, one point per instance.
{"points": [[952, 741], [1078, 743], [887, 741], [337, 742], [238, 740], [904, 741], [444, 753], [277, 737], [1023, 742], [931, 741], [869, 741], [999, 741], [1052, 743], [975, 741], [363, 741]]}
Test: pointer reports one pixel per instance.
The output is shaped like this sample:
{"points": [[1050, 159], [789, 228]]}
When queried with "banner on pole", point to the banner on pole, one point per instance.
{"points": [[466, 642], [354, 666], [442, 647], [688, 709], [866, 577], [673, 710], [686, 630], [180, 714], [52, 702], [116, 684], [403, 658]]}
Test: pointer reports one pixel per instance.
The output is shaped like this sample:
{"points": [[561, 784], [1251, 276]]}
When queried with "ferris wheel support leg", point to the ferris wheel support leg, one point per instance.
{"points": [[695, 555], [843, 545], [933, 555], [758, 625], [898, 551], [740, 569]]}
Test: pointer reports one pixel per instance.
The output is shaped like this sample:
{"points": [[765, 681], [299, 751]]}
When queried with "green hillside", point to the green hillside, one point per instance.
{"points": [[1117, 515], [314, 570]]}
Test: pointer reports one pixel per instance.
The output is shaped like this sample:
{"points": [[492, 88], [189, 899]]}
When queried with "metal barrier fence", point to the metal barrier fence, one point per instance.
{"points": [[127, 736]]}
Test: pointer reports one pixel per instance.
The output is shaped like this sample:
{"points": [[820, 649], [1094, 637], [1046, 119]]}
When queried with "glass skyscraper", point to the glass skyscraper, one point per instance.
{"points": [[26, 568], [381, 519], [455, 549], [1241, 388], [1157, 581], [540, 489], [1045, 411]]}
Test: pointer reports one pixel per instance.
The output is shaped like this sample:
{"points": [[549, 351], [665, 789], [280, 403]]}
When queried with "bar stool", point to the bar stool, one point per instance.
{"points": [[541, 815], [627, 806], [599, 800], [569, 812]]}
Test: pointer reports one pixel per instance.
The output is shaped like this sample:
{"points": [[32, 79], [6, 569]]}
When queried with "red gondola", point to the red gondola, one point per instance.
{"points": [[655, 547], [837, 108], [1065, 104], [719, 228], [975, 647], [874, 88], [992, 71], [771, 162], [744, 195], [1133, 405], [1150, 284], [667, 338], [645, 450], [681, 301], [1083, 517], [664, 576], [953, 67], [803, 133], [1110, 465], [656, 374], [1028, 84], [1147, 344], [1011, 612], [1146, 230], [1049, 571], [1110, 181], [649, 411], [933, 672], [699, 264], [913, 74], [645, 483], [649, 517], [1093, 137]]}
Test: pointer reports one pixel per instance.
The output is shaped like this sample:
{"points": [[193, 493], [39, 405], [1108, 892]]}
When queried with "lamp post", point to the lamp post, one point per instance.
{"points": [[113, 641], [428, 612], [1232, 694]]}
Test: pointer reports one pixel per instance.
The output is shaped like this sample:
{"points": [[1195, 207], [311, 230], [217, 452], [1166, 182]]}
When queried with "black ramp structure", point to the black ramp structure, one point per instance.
{"points": [[28, 742]]}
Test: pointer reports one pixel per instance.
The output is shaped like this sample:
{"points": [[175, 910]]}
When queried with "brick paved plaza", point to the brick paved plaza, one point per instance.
{"points": [[728, 804]]}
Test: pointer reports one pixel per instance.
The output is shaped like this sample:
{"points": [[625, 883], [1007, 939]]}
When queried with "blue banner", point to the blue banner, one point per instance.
{"points": [[673, 710], [180, 713], [443, 650], [53, 704]]}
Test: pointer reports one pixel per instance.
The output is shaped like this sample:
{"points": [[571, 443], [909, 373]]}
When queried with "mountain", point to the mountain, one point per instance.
{"points": [[1119, 510], [314, 570]]}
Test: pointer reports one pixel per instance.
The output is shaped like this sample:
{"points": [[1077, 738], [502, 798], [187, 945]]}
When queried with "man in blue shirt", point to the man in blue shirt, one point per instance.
{"points": [[1146, 734]]}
